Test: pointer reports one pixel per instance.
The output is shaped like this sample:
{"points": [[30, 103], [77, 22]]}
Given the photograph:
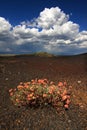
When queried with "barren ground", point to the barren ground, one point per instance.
{"points": [[13, 70]]}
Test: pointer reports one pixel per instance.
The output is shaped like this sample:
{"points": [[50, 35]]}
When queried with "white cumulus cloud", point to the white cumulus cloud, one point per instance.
{"points": [[5, 26], [51, 31], [49, 17]]}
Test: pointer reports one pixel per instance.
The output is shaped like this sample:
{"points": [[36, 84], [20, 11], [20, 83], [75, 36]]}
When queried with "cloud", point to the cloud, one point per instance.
{"points": [[51, 31], [5, 26], [51, 16]]}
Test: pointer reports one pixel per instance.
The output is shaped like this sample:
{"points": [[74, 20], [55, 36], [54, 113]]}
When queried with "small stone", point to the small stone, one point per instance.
{"points": [[69, 121], [81, 106], [78, 81], [6, 79], [9, 72], [45, 104], [18, 72]]}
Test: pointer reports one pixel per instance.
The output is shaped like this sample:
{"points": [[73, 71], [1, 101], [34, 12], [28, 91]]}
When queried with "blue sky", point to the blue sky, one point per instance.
{"points": [[54, 26]]}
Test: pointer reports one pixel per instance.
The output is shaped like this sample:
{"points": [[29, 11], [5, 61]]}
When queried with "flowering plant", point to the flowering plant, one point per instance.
{"points": [[41, 92]]}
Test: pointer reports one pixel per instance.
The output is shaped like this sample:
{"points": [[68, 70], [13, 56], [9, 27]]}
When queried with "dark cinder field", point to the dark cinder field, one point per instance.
{"points": [[14, 69]]}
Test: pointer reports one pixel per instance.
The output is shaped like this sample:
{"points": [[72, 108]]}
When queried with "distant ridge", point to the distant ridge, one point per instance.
{"points": [[44, 54], [40, 54]]}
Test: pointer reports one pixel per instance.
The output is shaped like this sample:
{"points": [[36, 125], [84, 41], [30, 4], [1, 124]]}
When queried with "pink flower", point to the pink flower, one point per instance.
{"points": [[68, 97], [60, 84], [66, 106], [10, 90], [51, 83], [64, 97], [11, 93], [65, 83], [67, 101], [44, 95], [17, 100], [65, 92], [19, 87]]}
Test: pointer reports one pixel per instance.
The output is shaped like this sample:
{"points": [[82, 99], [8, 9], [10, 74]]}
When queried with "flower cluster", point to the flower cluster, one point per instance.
{"points": [[41, 92]]}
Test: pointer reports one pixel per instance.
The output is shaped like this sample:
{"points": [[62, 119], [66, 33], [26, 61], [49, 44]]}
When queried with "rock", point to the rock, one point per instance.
{"points": [[78, 81], [6, 78]]}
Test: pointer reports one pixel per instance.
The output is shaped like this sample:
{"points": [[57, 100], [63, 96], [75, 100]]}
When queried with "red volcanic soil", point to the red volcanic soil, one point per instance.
{"points": [[15, 69]]}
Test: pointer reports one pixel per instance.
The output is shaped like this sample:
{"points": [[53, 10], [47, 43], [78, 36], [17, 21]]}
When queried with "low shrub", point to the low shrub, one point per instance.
{"points": [[41, 92]]}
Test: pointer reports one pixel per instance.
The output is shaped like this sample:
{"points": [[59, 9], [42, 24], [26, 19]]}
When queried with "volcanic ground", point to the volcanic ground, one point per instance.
{"points": [[23, 68]]}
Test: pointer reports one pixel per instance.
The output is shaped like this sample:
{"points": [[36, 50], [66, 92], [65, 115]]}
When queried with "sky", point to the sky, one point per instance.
{"points": [[53, 26]]}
